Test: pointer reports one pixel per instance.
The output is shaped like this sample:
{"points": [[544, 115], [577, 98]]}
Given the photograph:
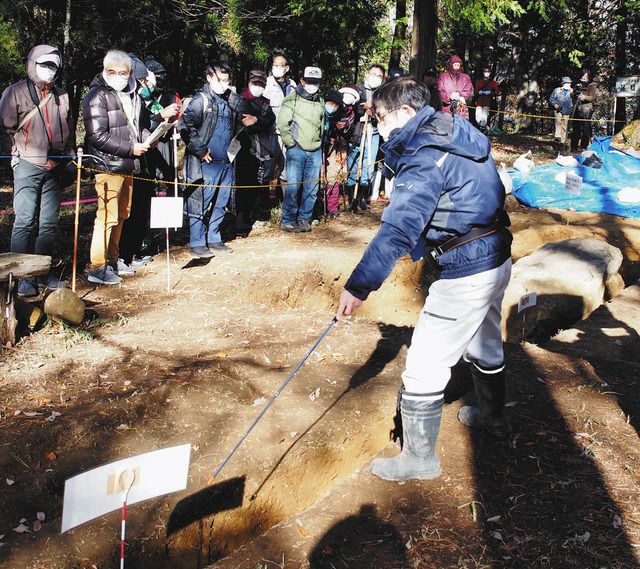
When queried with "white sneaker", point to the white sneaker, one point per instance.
{"points": [[122, 269], [141, 261]]}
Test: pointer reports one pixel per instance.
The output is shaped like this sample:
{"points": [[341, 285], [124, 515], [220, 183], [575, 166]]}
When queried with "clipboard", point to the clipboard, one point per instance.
{"points": [[159, 132]]}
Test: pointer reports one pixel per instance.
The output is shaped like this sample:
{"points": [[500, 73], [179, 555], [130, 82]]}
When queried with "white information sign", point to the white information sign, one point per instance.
{"points": [[573, 184], [99, 491], [166, 212], [628, 86], [527, 301]]}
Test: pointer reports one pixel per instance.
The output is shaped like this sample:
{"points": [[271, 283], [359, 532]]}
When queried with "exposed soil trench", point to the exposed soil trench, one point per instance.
{"points": [[196, 366]]}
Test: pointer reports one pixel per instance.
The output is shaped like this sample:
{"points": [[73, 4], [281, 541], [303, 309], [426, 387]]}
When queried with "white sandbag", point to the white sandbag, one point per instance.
{"points": [[525, 163], [567, 161], [507, 182], [561, 177], [629, 195]]}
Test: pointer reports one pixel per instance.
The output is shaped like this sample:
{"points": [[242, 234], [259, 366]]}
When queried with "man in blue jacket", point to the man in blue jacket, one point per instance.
{"points": [[208, 127], [447, 205]]}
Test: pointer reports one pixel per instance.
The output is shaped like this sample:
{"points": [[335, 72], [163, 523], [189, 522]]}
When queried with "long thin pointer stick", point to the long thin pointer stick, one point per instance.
{"points": [[215, 473], [76, 222]]}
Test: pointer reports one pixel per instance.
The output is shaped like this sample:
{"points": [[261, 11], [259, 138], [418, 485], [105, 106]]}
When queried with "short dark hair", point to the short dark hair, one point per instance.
{"points": [[377, 66], [280, 54], [218, 67], [401, 91]]}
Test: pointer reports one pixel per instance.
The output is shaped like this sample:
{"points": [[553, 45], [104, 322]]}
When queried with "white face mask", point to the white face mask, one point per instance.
{"points": [[330, 108], [311, 89], [117, 83], [218, 87], [393, 121], [255, 90], [46, 74], [278, 71], [373, 81], [348, 99], [487, 74]]}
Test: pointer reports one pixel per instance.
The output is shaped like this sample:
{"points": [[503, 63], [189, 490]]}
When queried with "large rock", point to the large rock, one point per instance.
{"points": [[571, 279], [65, 305]]}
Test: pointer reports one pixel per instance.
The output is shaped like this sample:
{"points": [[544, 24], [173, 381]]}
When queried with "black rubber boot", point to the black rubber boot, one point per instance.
{"points": [[364, 192], [489, 385], [418, 459], [353, 204], [460, 383]]}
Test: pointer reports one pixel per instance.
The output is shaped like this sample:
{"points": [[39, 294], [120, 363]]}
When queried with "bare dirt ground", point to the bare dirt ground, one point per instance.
{"points": [[149, 369]]}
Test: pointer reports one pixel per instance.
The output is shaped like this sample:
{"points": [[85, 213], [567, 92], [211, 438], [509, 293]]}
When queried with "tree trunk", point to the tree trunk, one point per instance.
{"points": [[66, 45], [621, 65], [399, 34], [423, 40]]}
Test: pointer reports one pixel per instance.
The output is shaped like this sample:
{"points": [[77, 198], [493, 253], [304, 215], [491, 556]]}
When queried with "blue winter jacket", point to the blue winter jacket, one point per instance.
{"points": [[446, 183], [562, 98]]}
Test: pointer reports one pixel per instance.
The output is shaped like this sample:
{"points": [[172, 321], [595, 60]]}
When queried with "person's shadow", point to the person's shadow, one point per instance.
{"points": [[361, 541]]}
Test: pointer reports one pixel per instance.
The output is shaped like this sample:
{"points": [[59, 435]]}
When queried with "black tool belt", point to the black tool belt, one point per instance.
{"points": [[498, 224]]}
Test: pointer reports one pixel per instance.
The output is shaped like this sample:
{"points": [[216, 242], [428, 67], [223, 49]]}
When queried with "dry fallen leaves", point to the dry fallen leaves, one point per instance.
{"points": [[51, 456]]}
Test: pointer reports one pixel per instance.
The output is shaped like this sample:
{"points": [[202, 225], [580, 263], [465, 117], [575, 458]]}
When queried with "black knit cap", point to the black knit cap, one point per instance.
{"points": [[334, 96]]}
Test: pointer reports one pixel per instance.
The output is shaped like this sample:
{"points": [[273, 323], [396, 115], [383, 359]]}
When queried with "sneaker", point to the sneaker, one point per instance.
{"points": [[221, 247], [52, 282], [304, 226], [27, 288], [122, 269], [104, 275], [200, 252], [141, 261], [290, 227]]}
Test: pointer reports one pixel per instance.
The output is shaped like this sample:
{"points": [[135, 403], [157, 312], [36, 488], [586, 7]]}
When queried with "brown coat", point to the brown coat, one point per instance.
{"points": [[31, 142]]}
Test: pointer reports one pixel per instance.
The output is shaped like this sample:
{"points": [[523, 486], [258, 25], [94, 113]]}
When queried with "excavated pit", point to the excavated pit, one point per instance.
{"points": [[201, 362], [333, 447]]}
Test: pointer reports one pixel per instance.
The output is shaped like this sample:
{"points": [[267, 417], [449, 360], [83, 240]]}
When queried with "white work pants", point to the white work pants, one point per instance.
{"points": [[461, 317]]}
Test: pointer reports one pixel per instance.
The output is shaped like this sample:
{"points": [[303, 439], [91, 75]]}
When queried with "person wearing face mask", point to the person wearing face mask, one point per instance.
{"points": [[582, 130], [429, 79], [562, 104], [208, 126], [135, 228], [334, 148], [255, 163], [447, 206], [36, 124], [486, 91], [165, 95], [366, 133], [279, 85], [301, 125], [116, 124], [455, 88]]}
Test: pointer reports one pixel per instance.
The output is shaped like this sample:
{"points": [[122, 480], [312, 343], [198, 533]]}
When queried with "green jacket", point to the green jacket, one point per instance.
{"points": [[301, 121]]}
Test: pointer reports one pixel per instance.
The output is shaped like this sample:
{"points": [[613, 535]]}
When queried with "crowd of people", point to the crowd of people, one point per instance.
{"points": [[238, 140]]}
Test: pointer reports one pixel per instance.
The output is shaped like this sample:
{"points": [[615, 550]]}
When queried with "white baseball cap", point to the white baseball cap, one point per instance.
{"points": [[312, 74]]}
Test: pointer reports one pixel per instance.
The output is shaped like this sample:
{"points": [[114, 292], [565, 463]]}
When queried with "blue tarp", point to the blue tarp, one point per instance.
{"points": [[599, 188]]}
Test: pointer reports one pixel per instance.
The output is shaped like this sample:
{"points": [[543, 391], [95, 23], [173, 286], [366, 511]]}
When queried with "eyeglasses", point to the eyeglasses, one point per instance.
{"points": [[381, 117], [114, 73]]}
